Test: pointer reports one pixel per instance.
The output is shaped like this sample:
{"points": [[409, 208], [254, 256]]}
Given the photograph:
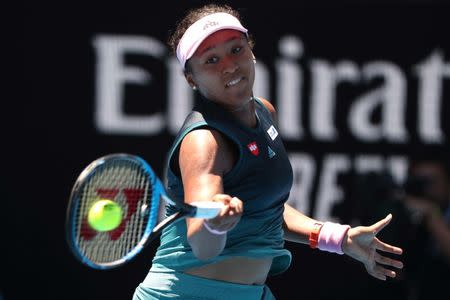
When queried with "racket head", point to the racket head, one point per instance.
{"points": [[130, 182]]}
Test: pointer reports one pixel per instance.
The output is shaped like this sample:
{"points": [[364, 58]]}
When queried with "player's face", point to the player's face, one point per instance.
{"points": [[222, 68]]}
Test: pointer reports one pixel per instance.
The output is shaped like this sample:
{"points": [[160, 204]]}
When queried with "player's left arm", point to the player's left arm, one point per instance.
{"points": [[359, 242], [297, 226]]}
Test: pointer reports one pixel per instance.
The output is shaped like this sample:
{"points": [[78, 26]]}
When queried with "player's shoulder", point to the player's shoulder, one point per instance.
{"points": [[203, 138], [207, 149], [269, 107], [205, 144]]}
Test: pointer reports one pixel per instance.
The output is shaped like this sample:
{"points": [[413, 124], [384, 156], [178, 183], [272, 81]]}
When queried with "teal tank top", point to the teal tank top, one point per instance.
{"points": [[262, 178]]}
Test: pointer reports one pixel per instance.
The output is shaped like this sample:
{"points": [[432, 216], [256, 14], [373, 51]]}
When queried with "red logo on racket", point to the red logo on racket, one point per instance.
{"points": [[132, 197], [253, 147]]}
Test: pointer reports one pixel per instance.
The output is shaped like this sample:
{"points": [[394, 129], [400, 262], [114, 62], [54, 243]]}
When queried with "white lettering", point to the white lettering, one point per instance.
{"points": [[329, 193], [289, 88], [261, 88], [431, 73], [111, 76], [388, 100], [304, 169], [391, 97], [398, 167], [368, 163], [325, 79], [180, 97]]}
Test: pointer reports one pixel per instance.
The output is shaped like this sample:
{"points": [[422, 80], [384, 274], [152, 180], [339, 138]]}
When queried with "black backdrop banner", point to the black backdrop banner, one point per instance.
{"points": [[358, 87]]}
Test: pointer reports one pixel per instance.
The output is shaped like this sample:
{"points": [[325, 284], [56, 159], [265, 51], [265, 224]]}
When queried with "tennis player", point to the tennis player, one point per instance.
{"points": [[229, 150]]}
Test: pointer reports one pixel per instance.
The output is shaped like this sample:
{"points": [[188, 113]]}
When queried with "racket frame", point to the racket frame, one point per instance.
{"points": [[152, 229], [74, 203]]}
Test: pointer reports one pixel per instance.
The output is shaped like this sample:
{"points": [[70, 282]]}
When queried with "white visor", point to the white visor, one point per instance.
{"points": [[201, 29]]}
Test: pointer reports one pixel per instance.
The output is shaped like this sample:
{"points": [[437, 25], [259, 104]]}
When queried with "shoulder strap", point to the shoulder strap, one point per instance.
{"points": [[264, 108]]}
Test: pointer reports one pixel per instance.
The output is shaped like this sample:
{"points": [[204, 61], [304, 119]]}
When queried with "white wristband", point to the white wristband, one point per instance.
{"points": [[214, 231]]}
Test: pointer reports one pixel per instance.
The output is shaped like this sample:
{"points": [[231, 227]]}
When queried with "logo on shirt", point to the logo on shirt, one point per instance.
{"points": [[272, 132], [253, 147], [270, 152]]}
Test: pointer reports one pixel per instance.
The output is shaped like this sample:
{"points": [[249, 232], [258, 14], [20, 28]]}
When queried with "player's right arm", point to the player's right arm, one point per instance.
{"points": [[205, 156]]}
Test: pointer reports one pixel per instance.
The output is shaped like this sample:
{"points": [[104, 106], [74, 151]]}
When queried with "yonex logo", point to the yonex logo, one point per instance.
{"points": [[210, 24]]}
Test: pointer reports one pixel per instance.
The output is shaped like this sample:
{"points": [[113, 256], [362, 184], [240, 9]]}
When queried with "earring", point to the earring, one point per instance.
{"points": [[194, 88], [254, 61]]}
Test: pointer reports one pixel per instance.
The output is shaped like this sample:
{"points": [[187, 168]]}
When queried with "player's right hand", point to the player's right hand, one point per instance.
{"points": [[230, 214]]}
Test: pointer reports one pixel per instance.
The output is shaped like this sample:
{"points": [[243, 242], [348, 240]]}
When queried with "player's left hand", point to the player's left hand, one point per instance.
{"points": [[362, 244]]}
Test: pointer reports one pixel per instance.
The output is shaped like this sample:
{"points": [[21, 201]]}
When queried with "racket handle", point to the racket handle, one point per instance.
{"points": [[207, 209]]}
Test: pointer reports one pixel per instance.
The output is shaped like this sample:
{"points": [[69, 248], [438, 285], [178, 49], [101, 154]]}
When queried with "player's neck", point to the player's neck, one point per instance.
{"points": [[245, 113]]}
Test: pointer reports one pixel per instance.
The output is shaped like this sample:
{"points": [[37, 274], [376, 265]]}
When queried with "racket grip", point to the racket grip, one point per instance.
{"points": [[207, 209]]}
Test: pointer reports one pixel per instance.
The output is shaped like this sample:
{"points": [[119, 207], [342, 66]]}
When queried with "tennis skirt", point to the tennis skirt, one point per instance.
{"points": [[177, 285]]}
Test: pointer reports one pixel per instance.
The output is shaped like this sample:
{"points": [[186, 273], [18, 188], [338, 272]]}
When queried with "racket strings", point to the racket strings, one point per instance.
{"points": [[128, 185]]}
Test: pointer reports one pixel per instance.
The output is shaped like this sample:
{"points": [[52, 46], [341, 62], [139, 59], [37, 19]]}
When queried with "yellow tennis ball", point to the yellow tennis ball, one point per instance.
{"points": [[105, 215]]}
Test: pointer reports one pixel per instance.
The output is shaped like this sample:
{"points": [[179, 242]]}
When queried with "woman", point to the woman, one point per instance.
{"points": [[229, 151]]}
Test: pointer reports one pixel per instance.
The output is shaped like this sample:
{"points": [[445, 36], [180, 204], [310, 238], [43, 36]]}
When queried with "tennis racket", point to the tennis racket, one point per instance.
{"points": [[130, 182]]}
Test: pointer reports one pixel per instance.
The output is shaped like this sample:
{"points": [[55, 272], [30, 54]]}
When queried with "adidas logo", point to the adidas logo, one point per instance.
{"points": [[271, 152]]}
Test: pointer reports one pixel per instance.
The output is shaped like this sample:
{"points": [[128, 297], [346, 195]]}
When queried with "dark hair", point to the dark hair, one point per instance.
{"points": [[196, 14]]}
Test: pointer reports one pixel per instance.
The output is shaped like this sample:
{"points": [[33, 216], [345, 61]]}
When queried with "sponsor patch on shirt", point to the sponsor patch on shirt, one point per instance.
{"points": [[253, 147], [272, 132]]}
